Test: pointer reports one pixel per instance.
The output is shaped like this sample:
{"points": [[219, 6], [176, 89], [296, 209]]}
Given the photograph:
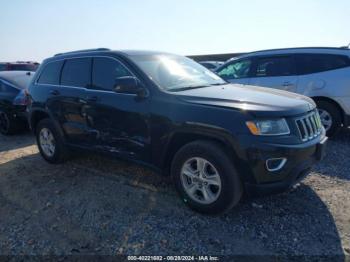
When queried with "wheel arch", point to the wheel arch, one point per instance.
{"points": [[333, 102], [35, 117], [179, 139]]}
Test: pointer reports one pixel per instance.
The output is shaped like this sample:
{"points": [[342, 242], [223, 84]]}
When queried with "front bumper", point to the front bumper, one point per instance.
{"points": [[300, 159]]}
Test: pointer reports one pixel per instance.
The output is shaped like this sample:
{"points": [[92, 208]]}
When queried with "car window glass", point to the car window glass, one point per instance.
{"points": [[76, 72], [2, 67], [2, 86], [235, 70], [208, 65], [274, 66], [51, 73], [314, 63], [105, 71]]}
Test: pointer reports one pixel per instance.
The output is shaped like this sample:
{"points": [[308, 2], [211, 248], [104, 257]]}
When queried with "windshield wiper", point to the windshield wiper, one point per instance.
{"points": [[186, 88], [218, 84]]}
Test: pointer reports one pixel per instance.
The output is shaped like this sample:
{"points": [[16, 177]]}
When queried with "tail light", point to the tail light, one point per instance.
{"points": [[22, 99]]}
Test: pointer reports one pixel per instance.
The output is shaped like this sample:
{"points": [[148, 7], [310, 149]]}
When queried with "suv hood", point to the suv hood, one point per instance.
{"points": [[260, 101]]}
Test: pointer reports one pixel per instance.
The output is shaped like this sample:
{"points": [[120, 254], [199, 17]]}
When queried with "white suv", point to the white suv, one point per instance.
{"points": [[320, 73]]}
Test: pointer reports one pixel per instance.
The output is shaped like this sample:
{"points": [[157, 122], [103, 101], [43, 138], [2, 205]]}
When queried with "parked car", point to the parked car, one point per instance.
{"points": [[170, 113], [19, 66], [211, 65], [320, 73], [13, 101]]}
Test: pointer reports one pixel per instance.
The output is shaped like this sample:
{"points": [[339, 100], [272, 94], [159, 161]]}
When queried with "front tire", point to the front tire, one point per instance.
{"points": [[50, 142], [205, 178]]}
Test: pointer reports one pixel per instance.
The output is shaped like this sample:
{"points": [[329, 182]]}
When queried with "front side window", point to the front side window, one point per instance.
{"points": [[236, 70], [176, 73], [105, 71], [314, 63], [274, 66], [76, 72], [51, 73]]}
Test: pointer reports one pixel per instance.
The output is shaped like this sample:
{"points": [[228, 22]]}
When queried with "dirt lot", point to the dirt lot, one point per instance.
{"points": [[96, 205]]}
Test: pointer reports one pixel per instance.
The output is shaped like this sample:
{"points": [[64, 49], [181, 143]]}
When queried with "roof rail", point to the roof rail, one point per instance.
{"points": [[297, 48], [82, 51]]}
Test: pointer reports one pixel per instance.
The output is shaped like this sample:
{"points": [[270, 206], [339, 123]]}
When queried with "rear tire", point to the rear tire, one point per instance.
{"points": [[219, 179], [330, 117], [50, 143], [9, 125]]}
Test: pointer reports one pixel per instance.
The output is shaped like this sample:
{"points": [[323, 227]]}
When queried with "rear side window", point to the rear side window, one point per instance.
{"points": [[76, 72], [105, 71], [236, 70], [275, 66], [51, 73], [3, 67], [315, 63]]}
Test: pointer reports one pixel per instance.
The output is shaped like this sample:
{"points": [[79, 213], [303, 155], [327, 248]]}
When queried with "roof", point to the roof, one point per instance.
{"points": [[106, 50], [20, 79], [328, 50]]}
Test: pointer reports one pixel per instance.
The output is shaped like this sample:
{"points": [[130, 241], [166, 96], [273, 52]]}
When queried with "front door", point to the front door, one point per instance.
{"points": [[119, 121]]}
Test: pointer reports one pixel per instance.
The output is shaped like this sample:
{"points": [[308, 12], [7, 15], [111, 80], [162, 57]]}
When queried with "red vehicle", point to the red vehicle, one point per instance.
{"points": [[19, 66]]}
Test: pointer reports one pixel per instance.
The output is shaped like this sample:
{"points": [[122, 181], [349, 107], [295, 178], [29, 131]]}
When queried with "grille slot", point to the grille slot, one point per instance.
{"points": [[309, 126]]}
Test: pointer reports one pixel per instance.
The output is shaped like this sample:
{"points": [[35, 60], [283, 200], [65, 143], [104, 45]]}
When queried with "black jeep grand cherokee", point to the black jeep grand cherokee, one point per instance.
{"points": [[170, 113]]}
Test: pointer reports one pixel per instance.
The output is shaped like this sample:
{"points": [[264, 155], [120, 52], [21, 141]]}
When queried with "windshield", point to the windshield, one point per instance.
{"points": [[176, 73]]}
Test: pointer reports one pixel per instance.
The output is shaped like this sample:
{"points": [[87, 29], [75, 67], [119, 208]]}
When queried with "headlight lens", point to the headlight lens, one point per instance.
{"points": [[274, 127]]}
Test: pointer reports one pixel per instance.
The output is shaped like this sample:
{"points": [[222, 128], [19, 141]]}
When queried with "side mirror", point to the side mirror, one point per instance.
{"points": [[127, 84]]}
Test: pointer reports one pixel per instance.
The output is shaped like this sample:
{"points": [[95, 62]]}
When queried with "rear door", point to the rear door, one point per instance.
{"points": [[237, 71], [71, 98], [119, 120], [275, 71]]}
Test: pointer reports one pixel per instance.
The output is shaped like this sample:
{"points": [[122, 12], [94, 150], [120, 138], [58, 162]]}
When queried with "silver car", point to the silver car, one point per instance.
{"points": [[320, 73]]}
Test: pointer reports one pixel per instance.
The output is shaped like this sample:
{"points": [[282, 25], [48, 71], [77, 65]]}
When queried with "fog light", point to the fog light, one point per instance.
{"points": [[275, 164]]}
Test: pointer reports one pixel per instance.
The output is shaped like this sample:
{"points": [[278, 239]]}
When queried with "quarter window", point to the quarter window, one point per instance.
{"points": [[314, 63], [51, 73], [76, 72], [235, 70], [274, 66], [105, 71]]}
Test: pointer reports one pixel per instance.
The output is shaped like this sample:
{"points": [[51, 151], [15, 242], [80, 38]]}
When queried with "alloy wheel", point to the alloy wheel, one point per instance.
{"points": [[326, 119], [47, 142], [201, 180]]}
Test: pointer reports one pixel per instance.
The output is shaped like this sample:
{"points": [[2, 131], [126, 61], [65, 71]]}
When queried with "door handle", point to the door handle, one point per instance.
{"points": [[54, 92], [92, 98]]}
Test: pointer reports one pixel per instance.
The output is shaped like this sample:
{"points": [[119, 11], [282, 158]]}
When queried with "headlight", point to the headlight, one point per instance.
{"points": [[268, 127]]}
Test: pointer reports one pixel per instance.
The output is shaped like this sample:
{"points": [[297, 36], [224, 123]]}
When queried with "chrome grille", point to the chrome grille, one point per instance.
{"points": [[309, 126]]}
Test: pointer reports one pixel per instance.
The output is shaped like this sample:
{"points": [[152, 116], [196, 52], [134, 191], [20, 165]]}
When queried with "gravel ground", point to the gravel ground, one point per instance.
{"points": [[97, 205]]}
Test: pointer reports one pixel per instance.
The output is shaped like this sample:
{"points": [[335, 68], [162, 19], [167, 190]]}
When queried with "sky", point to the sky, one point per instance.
{"points": [[37, 29]]}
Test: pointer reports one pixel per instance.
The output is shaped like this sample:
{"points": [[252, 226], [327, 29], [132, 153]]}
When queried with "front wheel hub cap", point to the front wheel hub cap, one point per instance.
{"points": [[201, 180], [326, 119], [47, 142]]}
